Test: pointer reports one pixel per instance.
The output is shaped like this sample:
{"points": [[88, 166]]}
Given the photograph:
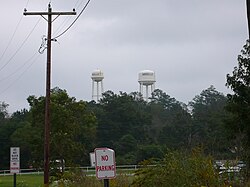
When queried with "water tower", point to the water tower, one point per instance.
{"points": [[97, 77], [146, 79]]}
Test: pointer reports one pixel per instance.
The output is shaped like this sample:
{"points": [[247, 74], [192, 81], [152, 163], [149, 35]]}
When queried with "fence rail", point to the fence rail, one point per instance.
{"points": [[86, 169]]}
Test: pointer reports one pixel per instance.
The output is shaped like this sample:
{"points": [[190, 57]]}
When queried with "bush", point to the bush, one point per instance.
{"points": [[178, 169], [76, 178]]}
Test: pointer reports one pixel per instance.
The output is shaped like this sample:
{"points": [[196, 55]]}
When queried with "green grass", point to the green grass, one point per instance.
{"points": [[22, 181], [36, 180]]}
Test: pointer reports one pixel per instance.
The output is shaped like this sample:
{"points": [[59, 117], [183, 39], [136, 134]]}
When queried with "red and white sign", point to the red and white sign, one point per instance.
{"points": [[14, 160], [105, 163]]}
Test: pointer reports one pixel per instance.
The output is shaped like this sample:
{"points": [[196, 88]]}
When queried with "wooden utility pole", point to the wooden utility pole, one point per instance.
{"points": [[248, 16], [48, 82]]}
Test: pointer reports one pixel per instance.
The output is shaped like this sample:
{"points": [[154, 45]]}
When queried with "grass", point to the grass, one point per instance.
{"points": [[22, 181], [37, 181]]}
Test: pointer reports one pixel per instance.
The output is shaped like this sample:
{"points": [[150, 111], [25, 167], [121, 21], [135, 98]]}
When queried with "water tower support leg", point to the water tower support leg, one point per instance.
{"points": [[97, 94], [93, 84], [102, 87]]}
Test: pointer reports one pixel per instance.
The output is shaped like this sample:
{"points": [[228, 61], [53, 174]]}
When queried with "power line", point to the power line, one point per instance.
{"points": [[13, 35], [67, 19], [27, 3], [19, 77], [77, 6], [20, 47], [19, 68], [73, 21], [11, 39], [62, 25]]}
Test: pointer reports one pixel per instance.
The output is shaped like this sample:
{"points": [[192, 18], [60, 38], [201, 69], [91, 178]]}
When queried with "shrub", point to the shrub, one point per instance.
{"points": [[178, 169]]}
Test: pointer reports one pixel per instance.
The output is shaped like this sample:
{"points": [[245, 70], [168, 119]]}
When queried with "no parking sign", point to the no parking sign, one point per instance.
{"points": [[105, 163], [14, 160]]}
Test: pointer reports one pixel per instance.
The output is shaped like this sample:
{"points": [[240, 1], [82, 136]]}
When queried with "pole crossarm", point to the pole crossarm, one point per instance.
{"points": [[48, 13]]}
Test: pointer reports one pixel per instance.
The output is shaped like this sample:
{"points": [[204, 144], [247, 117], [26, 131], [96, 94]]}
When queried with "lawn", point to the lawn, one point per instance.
{"points": [[36, 180], [22, 181]]}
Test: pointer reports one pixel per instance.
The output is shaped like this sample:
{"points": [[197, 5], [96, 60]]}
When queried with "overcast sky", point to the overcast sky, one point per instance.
{"points": [[189, 44]]}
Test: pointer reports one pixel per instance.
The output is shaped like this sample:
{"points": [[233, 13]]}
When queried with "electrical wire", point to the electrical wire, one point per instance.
{"points": [[11, 39], [73, 21], [13, 35], [27, 3], [22, 44], [20, 47], [62, 25], [19, 77], [67, 19], [19, 68], [77, 6]]}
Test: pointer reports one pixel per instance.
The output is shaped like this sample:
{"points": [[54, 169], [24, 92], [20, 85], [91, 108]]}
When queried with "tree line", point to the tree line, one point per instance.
{"points": [[137, 130]]}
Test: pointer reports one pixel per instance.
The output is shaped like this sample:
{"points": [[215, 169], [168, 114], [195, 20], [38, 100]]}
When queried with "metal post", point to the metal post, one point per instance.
{"points": [[106, 182], [14, 179]]}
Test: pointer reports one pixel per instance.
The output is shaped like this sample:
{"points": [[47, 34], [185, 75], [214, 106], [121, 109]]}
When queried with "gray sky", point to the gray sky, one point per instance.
{"points": [[190, 44]]}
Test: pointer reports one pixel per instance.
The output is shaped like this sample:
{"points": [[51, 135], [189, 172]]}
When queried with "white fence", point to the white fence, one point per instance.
{"points": [[86, 169]]}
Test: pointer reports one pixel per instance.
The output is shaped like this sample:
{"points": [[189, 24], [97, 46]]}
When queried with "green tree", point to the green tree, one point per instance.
{"points": [[8, 125], [26, 137], [5, 132], [239, 101], [3, 112], [150, 151], [20, 120], [208, 116], [126, 146], [73, 128], [122, 118], [72, 131], [170, 120], [122, 114]]}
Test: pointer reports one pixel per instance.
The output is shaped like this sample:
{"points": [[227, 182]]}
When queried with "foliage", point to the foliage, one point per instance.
{"points": [[8, 126], [135, 129], [178, 169], [76, 178], [3, 111], [72, 130], [151, 151], [208, 115], [170, 121], [122, 117], [239, 102]]}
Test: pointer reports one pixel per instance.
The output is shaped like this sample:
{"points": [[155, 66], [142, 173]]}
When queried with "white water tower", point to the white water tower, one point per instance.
{"points": [[146, 79], [97, 89]]}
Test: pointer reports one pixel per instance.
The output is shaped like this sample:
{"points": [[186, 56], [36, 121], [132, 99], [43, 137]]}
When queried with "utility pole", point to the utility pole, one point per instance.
{"points": [[248, 16], [48, 83]]}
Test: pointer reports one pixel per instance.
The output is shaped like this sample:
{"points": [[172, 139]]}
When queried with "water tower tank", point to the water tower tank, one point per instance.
{"points": [[97, 75], [97, 89], [146, 79]]}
